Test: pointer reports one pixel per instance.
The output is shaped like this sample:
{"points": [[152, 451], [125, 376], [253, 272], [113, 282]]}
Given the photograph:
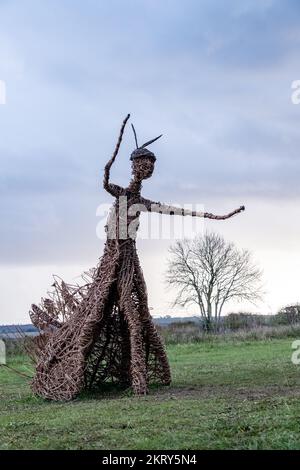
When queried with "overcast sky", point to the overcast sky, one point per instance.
{"points": [[213, 76]]}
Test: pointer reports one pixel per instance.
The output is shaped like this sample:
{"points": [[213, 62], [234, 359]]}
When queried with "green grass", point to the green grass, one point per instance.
{"points": [[239, 395]]}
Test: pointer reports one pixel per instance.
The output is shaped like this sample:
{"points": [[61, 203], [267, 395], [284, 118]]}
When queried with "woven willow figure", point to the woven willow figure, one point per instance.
{"points": [[103, 331]]}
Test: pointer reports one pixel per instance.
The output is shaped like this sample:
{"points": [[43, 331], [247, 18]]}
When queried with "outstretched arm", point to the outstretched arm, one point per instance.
{"points": [[173, 210], [114, 189]]}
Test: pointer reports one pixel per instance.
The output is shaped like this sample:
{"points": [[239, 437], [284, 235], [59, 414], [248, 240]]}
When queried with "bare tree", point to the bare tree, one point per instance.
{"points": [[209, 271]]}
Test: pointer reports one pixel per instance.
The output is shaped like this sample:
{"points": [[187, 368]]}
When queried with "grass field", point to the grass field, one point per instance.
{"points": [[233, 395]]}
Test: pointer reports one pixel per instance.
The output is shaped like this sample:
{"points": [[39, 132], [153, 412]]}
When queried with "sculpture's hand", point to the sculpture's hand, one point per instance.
{"points": [[208, 215]]}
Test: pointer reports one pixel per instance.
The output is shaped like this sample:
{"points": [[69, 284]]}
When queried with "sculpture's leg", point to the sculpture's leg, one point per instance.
{"points": [[157, 348], [124, 345], [153, 338], [138, 370]]}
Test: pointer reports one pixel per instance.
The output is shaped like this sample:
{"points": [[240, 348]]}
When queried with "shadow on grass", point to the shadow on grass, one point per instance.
{"points": [[113, 391]]}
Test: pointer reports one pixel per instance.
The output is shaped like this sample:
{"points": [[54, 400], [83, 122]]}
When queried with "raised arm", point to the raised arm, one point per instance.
{"points": [[114, 189], [173, 210]]}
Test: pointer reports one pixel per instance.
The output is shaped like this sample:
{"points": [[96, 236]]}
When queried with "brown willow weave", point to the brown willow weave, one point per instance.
{"points": [[103, 331]]}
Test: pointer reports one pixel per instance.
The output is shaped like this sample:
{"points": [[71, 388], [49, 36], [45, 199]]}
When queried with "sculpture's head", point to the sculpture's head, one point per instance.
{"points": [[142, 160], [142, 167]]}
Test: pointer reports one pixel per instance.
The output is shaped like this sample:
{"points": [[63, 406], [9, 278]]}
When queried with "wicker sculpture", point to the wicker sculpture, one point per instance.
{"points": [[102, 331]]}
